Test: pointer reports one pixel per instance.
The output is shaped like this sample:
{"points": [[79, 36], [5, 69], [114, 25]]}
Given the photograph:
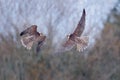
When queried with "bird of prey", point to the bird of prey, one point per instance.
{"points": [[30, 36], [75, 39]]}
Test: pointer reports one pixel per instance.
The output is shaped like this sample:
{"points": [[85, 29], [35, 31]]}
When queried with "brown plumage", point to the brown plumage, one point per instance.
{"points": [[30, 36], [75, 38]]}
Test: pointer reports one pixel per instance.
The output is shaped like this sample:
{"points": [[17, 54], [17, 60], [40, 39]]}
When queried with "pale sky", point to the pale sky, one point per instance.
{"points": [[62, 14]]}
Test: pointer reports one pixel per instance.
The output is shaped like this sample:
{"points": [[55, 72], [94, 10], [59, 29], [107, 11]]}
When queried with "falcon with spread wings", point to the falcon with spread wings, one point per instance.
{"points": [[30, 36], [75, 38]]}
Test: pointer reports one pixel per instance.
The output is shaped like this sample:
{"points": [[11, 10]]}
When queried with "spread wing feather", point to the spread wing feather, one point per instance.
{"points": [[27, 41], [31, 30], [80, 27], [69, 43]]}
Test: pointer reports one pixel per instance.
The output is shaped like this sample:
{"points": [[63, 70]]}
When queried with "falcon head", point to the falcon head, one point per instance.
{"points": [[71, 37], [68, 36]]}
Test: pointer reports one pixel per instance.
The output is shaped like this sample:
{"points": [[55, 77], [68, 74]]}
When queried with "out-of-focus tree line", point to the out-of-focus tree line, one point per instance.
{"points": [[101, 63]]}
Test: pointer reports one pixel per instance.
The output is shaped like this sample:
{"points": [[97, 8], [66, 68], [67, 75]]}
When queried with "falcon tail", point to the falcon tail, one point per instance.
{"points": [[83, 43]]}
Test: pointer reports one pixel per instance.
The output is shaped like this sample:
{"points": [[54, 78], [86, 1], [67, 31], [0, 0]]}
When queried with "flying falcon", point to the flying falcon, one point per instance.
{"points": [[30, 36], [75, 39]]}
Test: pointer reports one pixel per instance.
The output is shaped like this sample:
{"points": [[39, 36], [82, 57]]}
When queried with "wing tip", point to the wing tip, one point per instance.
{"points": [[22, 33], [84, 12]]}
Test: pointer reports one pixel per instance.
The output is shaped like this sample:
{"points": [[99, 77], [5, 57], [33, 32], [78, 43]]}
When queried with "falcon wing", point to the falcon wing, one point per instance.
{"points": [[30, 30], [69, 44], [41, 40], [39, 45], [80, 27], [27, 41]]}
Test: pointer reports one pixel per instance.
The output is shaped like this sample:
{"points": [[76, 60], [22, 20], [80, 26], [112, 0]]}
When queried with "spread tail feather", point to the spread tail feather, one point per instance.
{"points": [[83, 43]]}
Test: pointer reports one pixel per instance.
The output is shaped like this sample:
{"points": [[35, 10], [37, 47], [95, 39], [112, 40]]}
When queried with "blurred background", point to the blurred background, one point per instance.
{"points": [[56, 19]]}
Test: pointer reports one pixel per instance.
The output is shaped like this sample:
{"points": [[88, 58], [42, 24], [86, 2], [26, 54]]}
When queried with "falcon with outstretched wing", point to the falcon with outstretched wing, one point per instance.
{"points": [[75, 38], [30, 36]]}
